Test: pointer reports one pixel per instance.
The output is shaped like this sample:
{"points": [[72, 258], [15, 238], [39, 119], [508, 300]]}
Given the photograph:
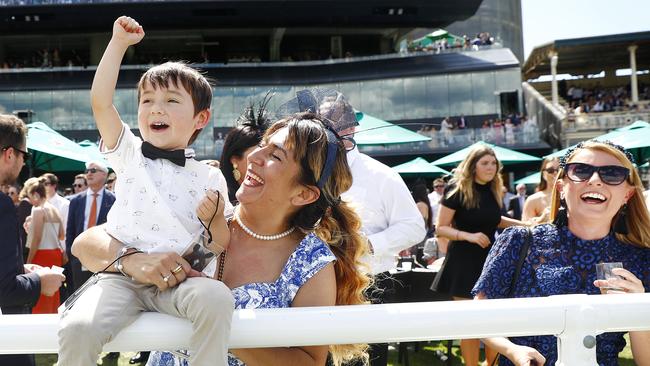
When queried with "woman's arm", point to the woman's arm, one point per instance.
{"points": [[530, 208], [320, 290], [97, 250], [444, 229], [507, 222], [424, 210], [519, 355], [37, 232]]}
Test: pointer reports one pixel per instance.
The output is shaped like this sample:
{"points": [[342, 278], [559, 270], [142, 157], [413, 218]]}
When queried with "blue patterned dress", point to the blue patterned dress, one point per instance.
{"points": [[309, 257], [558, 263]]}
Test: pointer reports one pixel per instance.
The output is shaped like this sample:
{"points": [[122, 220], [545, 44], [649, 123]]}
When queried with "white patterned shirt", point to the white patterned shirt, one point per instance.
{"points": [[156, 200]]}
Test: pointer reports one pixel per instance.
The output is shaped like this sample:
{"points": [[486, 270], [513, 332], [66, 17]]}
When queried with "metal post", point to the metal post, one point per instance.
{"points": [[554, 93], [633, 82], [576, 345]]}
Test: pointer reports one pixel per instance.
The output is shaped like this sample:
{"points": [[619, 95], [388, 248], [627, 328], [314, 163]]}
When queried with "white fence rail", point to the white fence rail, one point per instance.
{"points": [[573, 318]]}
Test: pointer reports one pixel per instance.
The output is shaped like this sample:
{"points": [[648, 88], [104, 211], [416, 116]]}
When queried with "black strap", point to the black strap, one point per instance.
{"points": [[523, 253]]}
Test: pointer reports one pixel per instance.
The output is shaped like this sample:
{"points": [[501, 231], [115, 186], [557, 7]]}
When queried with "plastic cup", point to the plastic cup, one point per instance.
{"points": [[604, 272]]}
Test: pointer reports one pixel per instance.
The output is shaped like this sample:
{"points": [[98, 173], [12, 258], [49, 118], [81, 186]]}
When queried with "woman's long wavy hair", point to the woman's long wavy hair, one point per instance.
{"points": [[637, 217], [331, 219], [543, 184], [464, 174]]}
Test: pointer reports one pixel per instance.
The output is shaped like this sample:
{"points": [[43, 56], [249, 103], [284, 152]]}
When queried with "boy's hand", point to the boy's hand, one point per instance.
{"points": [[212, 204], [127, 30]]}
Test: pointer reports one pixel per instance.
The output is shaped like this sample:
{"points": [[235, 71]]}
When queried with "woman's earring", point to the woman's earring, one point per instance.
{"points": [[235, 172], [620, 225], [561, 218]]}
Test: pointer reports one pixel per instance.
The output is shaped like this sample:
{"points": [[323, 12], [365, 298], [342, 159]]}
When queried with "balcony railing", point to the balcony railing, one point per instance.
{"points": [[574, 319]]}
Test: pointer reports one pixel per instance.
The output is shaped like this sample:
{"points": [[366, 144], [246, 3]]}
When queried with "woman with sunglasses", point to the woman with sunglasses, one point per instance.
{"points": [[599, 215], [536, 206]]}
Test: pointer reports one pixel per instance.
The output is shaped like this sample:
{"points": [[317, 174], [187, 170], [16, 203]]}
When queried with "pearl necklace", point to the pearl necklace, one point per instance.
{"points": [[259, 236]]}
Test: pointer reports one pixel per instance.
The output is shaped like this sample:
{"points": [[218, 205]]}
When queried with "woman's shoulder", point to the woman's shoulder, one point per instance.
{"points": [[537, 197], [312, 248]]}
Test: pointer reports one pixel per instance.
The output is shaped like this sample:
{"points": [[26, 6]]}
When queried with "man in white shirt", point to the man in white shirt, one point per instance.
{"points": [[436, 195], [390, 220]]}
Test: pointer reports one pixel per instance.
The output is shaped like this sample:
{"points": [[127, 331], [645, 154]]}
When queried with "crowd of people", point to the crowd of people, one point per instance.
{"points": [[465, 43], [176, 233], [599, 99]]}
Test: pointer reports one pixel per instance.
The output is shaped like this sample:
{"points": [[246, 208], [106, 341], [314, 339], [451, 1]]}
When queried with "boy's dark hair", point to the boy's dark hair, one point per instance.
{"points": [[13, 131], [195, 83]]}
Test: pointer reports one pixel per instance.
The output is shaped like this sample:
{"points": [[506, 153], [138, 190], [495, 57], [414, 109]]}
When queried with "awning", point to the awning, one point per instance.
{"points": [[374, 131], [419, 167], [505, 156]]}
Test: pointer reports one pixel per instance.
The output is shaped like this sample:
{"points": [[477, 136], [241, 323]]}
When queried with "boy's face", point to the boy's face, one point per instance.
{"points": [[166, 116]]}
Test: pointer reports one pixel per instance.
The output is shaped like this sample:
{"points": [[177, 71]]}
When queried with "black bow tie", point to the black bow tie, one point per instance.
{"points": [[175, 156]]}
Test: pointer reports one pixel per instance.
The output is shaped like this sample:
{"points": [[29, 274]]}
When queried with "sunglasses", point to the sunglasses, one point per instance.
{"points": [[551, 170], [93, 170], [77, 185], [438, 186], [26, 155], [612, 175]]}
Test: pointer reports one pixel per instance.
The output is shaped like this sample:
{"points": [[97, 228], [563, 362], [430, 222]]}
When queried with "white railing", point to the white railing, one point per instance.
{"points": [[575, 319]]}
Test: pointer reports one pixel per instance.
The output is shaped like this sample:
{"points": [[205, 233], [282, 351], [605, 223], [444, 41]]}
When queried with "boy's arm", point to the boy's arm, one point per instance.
{"points": [[126, 32]]}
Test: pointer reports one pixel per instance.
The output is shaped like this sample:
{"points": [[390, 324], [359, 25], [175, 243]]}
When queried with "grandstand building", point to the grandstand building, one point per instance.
{"points": [[49, 49]]}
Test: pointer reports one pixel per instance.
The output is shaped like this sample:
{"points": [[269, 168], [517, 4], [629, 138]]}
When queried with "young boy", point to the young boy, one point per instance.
{"points": [[159, 187]]}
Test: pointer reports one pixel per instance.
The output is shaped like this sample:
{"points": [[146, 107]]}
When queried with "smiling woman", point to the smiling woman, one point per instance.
{"points": [[599, 215]]}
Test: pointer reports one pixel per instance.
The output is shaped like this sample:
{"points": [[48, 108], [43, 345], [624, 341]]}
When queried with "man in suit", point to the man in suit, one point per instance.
{"points": [[516, 204], [87, 209], [20, 285]]}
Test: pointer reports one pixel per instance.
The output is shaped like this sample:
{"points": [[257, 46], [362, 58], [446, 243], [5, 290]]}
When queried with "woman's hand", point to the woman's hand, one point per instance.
{"points": [[477, 238], [525, 356], [153, 268], [628, 282]]}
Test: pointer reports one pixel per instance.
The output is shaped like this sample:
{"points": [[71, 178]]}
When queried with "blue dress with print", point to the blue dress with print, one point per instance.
{"points": [[558, 263], [309, 257]]}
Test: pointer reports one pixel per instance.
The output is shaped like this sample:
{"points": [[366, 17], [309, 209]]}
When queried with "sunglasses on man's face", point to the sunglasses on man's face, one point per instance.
{"points": [[92, 170], [612, 175], [438, 186], [26, 155]]}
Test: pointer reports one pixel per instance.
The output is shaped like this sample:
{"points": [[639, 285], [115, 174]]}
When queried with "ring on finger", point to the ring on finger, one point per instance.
{"points": [[177, 269], [166, 278]]}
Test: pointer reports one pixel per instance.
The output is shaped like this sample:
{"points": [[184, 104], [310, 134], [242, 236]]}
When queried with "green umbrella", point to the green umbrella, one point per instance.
{"points": [[505, 156], [92, 150], [52, 151], [419, 167], [374, 131], [531, 179]]}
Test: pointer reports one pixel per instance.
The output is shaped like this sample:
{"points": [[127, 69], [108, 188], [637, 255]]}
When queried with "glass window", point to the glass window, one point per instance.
{"points": [[416, 103], [460, 94], [483, 97], [126, 102], [438, 95], [222, 107], [62, 105], [508, 80], [352, 91], [22, 100], [393, 99], [81, 114], [371, 96], [42, 106], [6, 102]]}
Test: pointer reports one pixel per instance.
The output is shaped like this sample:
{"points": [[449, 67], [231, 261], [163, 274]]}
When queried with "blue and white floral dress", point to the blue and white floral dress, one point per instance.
{"points": [[558, 263], [309, 257]]}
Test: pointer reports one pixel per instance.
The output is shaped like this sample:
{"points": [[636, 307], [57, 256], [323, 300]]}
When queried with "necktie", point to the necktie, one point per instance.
{"points": [[92, 218], [175, 156]]}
